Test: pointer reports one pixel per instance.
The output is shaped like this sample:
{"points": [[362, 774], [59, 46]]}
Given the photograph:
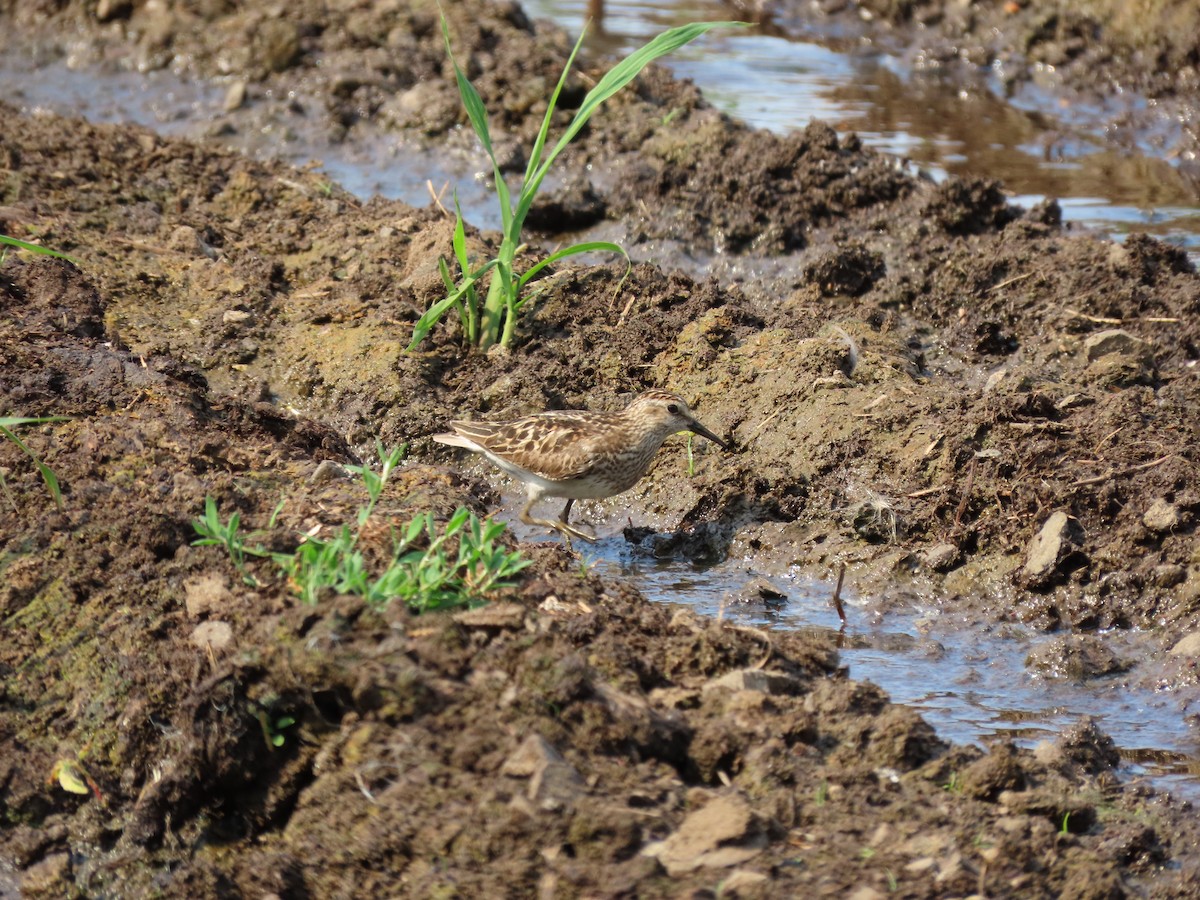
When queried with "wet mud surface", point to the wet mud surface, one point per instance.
{"points": [[945, 392]]}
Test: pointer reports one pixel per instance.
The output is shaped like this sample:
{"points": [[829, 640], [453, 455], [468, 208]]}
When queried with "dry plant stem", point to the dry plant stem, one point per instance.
{"points": [[1123, 472], [962, 504], [837, 594]]}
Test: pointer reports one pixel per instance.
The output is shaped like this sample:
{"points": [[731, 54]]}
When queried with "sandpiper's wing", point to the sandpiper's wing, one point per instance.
{"points": [[559, 446]]}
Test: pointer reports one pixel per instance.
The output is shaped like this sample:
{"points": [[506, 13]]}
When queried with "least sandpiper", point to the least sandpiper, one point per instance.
{"points": [[578, 454]]}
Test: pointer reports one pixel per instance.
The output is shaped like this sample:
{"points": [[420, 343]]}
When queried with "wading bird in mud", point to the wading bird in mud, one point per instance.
{"points": [[577, 454]]}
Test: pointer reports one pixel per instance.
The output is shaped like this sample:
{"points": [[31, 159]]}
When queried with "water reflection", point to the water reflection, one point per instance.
{"points": [[1038, 145]]}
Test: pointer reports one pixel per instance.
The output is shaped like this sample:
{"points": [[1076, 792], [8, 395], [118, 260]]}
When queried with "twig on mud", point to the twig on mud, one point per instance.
{"points": [[437, 195], [761, 425], [925, 492], [837, 594], [962, 504], [1113, 473], [1008, 281], [757, 632], [1103, 320], [140, 245], [625, 311], [933, 445]]}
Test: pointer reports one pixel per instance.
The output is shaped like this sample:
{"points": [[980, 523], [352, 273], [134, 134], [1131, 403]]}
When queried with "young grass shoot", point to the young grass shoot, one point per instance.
{"points": [[430, 568], [7, 424], [494, 320]]}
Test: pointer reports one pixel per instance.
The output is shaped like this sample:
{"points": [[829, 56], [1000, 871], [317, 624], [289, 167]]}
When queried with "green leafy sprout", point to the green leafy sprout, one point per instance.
{"points": [[7, 424], [6, 241], [430, 568], [494, 321]]}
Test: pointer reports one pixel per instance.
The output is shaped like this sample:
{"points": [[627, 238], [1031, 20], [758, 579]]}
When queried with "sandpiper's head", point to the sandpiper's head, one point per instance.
{"points": [[669, 413]]}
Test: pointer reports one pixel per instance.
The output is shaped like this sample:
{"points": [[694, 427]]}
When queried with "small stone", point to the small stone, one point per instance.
{"points": [[1048, 546], [756, 680], [1117, 340], [215, 635], [920, 866], [941, 557], [724, 833], [866, 892], [107, 10], [1187, 646], [740, 879], [206, 594], [234, 316], [1161, 516], [235, 96]]}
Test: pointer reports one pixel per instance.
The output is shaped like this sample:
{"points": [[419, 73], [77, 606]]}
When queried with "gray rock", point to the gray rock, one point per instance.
{"points": [[1189, 645], [1075, 656], [724, 833], [554, 783], [1048, 546], [1116, 340], [1161, 516]]}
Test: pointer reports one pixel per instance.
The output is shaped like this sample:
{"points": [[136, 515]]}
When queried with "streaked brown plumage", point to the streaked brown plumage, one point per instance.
{"points": [[577, 454]]}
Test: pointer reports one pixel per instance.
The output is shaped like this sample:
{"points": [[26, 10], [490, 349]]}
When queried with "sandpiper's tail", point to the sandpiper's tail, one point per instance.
{"points": [[456, 440]]}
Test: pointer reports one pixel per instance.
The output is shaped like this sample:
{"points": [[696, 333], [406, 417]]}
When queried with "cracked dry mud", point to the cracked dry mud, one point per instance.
{"points": [[1022, 397]]}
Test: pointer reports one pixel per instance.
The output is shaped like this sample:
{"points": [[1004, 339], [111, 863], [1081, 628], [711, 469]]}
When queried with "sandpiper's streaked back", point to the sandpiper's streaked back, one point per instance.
{"points": [[578, 454]]}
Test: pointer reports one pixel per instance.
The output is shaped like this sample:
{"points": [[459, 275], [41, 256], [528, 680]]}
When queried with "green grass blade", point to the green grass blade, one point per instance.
{"points": [[35, 248], [573, 250], [477, 113], [615, 79], [434, 314], [48, 475], [535, 157]]}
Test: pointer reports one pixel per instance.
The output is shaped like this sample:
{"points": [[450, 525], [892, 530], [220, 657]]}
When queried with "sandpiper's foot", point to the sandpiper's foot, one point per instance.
{"points": [[569, 531]]}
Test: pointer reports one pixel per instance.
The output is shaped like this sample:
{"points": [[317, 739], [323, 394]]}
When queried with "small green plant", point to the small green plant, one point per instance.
{"points": [[494, 320], [954, 784], [215, 533], [821, 794], [422, 570], [691, 460], [1065, 830], [7, 423], [6, 241]]}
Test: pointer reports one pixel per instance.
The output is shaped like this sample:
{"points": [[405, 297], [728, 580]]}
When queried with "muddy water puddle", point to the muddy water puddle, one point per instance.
{"points": [[1040, 145], [1037, 145], [969, 681]]}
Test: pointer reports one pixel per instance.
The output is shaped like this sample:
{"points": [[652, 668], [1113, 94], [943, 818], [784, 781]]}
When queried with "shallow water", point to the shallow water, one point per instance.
{"points": [[1038, 146], [968, 681]]}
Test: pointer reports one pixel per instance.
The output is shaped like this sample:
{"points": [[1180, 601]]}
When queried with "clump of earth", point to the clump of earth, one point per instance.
{"points": [[939, 390]]}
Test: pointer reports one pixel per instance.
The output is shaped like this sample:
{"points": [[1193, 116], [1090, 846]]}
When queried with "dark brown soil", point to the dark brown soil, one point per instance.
{"points": [[950, 391]]}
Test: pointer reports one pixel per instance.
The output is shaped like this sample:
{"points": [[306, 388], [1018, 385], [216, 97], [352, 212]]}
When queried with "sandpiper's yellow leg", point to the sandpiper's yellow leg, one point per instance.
{"points": [[567, 531]]}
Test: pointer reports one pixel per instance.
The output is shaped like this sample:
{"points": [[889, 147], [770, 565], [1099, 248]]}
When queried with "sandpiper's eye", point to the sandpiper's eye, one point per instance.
{"points": [[673, 408]]}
